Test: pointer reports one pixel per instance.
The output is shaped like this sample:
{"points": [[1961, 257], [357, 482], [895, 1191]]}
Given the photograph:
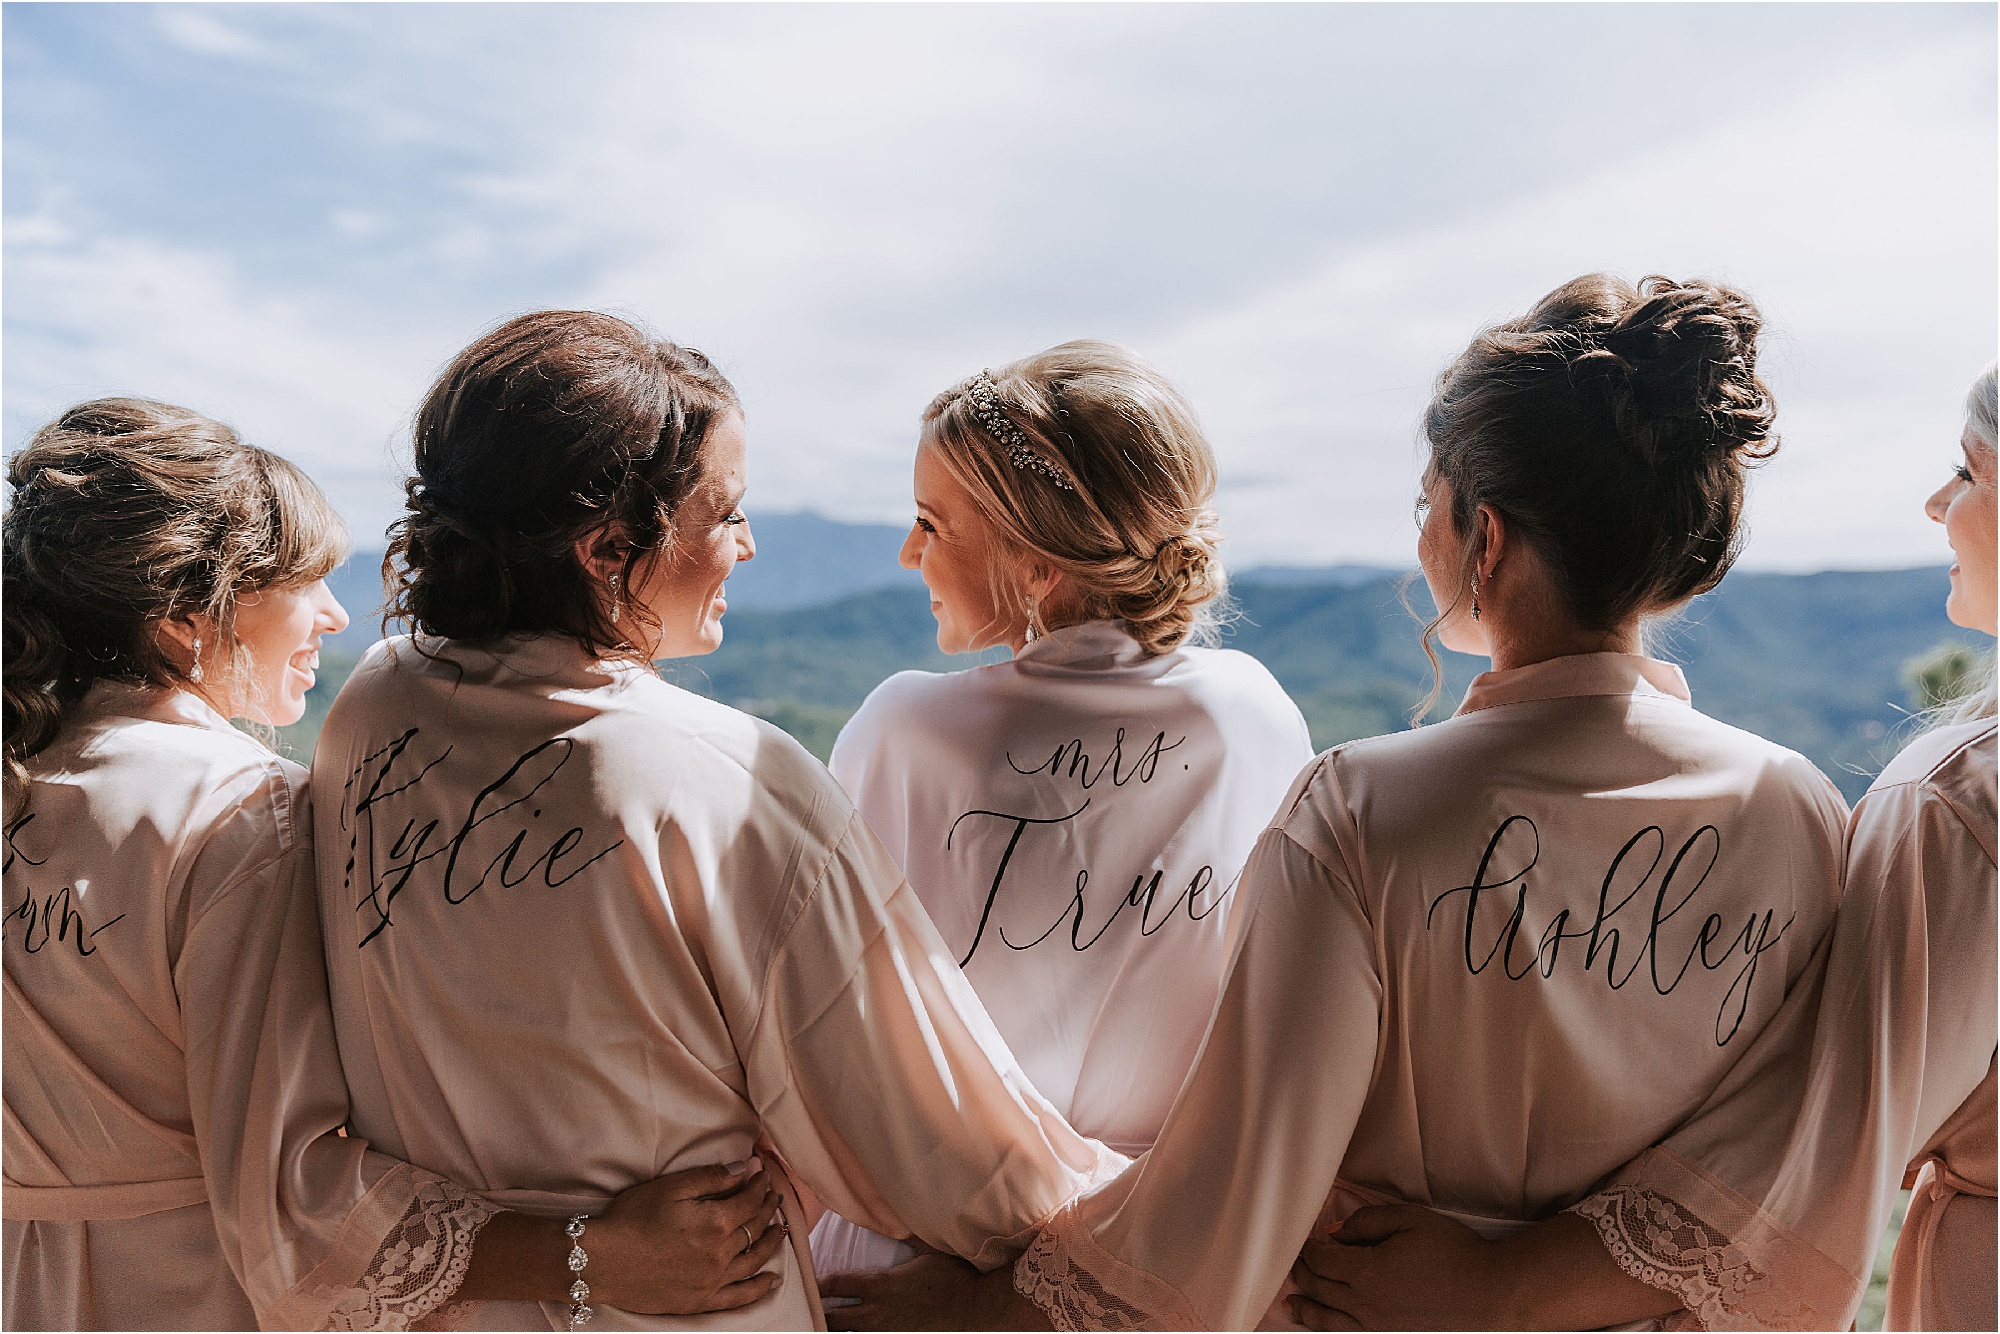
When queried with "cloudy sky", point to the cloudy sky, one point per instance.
{"points": [[290, 216]]}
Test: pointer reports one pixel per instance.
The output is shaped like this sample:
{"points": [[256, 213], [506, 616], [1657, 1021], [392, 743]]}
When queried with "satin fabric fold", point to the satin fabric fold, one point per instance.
{"points": [[1074, 821], [585, 928], [1479, 966]]}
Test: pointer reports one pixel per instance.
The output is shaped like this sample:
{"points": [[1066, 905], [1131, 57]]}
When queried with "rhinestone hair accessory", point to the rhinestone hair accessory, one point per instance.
{"points": [[985, 396]]}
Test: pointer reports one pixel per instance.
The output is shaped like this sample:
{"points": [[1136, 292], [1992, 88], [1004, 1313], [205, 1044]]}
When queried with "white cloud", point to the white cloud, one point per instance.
{"points": [[201, 31], [1300, 212], [121, 315], [1833, 211]]}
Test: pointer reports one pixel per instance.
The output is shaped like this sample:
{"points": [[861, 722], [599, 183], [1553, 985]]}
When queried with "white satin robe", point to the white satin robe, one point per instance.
{"points": [[1765, 1211], [1478, 966], [1074, 821], [585, 928], [172, 1089]]}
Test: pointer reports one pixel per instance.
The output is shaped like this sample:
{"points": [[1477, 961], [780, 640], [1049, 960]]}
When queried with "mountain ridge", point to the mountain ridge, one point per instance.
{"points": [[1816, 662]]}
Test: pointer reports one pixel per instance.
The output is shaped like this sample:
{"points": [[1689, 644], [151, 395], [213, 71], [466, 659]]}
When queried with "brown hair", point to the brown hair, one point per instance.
{"points": [[127, 513], [1612, 427], [542, 432], [1136, 535]]}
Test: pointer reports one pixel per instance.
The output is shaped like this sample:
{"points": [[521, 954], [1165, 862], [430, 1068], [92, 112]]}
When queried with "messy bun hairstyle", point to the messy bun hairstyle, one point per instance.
{"points": [[1613, 428], [1121, 504], [550, 427], [126, 513]]}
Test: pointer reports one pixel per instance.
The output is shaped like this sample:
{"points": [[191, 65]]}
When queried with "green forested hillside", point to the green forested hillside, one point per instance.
{"points": [[1813, 661]]}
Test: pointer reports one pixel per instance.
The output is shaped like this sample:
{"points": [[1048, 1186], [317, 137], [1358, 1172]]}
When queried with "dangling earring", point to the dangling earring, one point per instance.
{"points": [[1475, 597], [617, 603], [194, 673], [1033, 632]]}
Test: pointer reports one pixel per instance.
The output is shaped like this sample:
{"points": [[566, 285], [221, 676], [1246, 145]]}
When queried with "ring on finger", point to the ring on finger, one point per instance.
{"points": [[748, 1240]]}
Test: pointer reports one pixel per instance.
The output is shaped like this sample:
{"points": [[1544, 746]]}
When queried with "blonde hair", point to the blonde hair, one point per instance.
{"points": [[127, 513], [1980, 699], [1135, 537]]}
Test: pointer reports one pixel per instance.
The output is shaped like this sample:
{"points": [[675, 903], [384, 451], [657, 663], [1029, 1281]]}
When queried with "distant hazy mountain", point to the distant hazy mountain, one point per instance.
{"points": [[1340, 576], [804, 560], [1815, 662], [1812, 661]]}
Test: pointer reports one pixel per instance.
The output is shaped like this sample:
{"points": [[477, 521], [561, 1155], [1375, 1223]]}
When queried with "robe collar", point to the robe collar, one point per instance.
{"points": [[1577, 675], [158, 704], [1093, 646]]}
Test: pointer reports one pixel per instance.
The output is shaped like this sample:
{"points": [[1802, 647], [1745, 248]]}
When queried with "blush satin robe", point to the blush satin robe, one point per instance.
{"points": [[1478, 966], [585, 928], [172, 1089], [1758, 1218]]}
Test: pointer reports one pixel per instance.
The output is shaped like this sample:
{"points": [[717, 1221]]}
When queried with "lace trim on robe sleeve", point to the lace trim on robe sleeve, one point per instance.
{"points": [[1674, 1227], [420, 1264], [393, 1273], [1082, 1286]]}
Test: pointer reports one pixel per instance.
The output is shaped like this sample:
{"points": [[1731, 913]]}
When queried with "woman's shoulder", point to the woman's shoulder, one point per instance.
{"points": [[916, 708], [1436, 760], [917, 698], [646, 733], [162, 757], [1228, 667], [170, 731], [1953, 766], [1952, 754]]}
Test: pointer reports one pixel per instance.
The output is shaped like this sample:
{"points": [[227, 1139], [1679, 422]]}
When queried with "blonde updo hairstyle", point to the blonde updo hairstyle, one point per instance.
{"points": [[127, 513], [1135, 538]]}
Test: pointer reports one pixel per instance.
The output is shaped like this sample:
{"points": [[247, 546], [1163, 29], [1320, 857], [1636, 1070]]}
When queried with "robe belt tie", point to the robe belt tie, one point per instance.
{"points": [[86, 1204], [1939, 1183]]}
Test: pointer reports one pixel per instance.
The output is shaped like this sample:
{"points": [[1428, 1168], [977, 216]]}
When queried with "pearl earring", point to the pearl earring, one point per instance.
{"points": [[194, 674]]}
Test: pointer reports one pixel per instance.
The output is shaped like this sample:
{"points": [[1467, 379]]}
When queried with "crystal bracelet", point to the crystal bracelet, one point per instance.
{"points": [[579, 1291]]}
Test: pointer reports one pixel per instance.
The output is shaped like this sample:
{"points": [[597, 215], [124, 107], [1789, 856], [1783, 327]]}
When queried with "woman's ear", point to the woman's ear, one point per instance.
{"points": [[1492, 538], [187, 641], [176, 635], [602, 551]]}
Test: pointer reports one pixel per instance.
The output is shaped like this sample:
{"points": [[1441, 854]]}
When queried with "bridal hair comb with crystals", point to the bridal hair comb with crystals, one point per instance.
{"points": [[985, 398]]}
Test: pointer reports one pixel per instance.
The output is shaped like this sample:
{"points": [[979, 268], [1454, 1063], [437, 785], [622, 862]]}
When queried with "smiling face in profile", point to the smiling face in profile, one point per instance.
{"points": [[682, 588], [279, 631], [1965, 505], [953, 547]]}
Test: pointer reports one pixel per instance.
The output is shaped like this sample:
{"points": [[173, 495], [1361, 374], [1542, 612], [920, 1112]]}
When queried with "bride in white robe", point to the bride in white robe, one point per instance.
{"points": [[1074, 819]]}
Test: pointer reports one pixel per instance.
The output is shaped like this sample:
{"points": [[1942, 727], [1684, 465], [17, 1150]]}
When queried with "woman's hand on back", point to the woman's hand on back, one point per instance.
{"points": [[682, 1244], [1401, 1266], [688, 1243], [933, 1291], [1395, 1267]]}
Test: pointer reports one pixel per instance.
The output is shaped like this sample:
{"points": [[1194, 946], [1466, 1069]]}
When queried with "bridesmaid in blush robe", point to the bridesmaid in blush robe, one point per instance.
{"points": [[1765, 1210], [584, 927], [173, 1098], [1482, 964], [1074, 820]]}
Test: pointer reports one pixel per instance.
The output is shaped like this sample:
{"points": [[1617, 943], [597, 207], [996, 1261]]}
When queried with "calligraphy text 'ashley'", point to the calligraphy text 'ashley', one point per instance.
{"points": [[1632, 870]]}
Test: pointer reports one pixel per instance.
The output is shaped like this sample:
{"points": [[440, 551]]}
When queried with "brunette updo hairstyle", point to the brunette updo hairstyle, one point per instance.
{"points": [[544, 431], [1612, 427], [1136, 533], [126, 513]]}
